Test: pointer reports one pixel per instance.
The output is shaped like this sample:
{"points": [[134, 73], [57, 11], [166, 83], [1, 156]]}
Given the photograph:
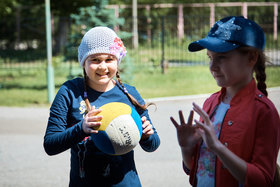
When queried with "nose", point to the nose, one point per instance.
{"points": [[102, 64]]}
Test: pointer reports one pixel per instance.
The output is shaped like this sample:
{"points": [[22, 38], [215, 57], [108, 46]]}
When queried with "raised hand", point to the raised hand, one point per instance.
{"points": [[186, 133]]}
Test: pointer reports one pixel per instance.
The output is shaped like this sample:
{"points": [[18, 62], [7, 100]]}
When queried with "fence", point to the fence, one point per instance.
{"points": [[165, 46], [158, 42]]}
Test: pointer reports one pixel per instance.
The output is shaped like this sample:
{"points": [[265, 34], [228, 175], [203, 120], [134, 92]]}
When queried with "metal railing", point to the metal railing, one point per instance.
{"points": [[158, 43]]}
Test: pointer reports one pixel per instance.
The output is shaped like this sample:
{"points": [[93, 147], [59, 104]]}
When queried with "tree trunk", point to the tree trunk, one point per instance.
{"points": [[61, 34]]}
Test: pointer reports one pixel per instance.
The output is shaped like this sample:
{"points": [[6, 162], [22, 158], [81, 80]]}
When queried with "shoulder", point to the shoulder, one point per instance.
{"points": [[133, 91], [74, 83], [71, 88], [68, 93], [264, 104], [213, 97], [266, 116], [130, 88]]}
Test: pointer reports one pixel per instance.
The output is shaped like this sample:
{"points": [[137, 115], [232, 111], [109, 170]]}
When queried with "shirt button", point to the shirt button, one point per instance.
{"points": [[230, 123], [260, 95]]}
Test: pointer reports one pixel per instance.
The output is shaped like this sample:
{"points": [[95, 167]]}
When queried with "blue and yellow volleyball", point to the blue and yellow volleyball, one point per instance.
{"points": [[120, 130]]}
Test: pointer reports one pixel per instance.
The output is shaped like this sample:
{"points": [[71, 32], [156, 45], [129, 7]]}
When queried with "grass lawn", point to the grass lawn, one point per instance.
{"points": [[177, 81], [187, 81], [29, 89]]}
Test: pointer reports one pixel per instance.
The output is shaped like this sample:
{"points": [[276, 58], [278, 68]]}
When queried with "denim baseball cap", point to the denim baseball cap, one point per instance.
{"points": [[230, 33]]}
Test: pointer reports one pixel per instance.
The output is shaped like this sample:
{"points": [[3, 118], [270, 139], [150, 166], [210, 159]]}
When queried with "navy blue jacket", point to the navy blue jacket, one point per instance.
{"points": [[90, 166]]}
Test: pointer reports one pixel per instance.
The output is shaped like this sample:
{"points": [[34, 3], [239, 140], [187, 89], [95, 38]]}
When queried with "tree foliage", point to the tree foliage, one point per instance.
{"points": [[24, 20], [85, 19]]}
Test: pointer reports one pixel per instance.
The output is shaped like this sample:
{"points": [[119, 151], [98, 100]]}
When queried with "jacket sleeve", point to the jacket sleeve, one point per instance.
{"points": [[58, 137], [153, 142], [261, 169]]}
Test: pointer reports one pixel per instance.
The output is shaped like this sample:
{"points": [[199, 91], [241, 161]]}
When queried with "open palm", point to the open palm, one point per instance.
{"points": [[186, 133]]}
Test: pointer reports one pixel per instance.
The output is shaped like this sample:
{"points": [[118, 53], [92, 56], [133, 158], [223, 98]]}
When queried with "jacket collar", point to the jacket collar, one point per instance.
{"points": [[248, 91]]}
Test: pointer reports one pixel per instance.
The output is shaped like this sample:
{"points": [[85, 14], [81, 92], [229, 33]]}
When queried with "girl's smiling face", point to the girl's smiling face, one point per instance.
{"points": [[231, 69], [101, 69]]}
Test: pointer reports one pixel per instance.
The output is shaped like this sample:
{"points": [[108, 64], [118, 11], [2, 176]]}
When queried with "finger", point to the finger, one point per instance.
{"points": [[201, 132], [190, 119], [202, 113], [147, 129], [94, 118], [143, 119], [149, 132], [200, 110], [94, 125], [145, 124], [199, 124], [182, 120], [94, 112], [174, 122], [92, 131]]}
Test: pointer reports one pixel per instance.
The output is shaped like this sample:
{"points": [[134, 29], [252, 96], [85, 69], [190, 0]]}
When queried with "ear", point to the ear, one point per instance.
{"points": [[253, 58]]}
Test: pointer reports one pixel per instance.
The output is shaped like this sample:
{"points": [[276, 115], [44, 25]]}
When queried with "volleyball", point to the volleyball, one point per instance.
{"points": [[120, 130]]}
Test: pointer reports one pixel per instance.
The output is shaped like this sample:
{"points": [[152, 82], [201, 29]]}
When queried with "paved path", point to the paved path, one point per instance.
{"points": [[23, 162]]}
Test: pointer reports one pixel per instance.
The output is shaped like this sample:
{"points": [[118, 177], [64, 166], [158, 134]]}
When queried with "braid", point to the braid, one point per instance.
{"points": [[260, 73], [259, 67], [88, 106], [130, 97]]}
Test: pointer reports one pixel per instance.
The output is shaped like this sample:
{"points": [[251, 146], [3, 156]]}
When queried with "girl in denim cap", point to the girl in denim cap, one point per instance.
{"points": [[237, 139], [71, 117]]}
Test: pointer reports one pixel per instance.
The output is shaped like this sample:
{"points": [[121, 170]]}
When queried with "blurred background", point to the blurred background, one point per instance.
{"points": [[34, 63], [155, 33]]}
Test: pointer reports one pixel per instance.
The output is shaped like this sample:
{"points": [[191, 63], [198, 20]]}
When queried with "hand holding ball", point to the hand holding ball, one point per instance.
{"points": [[120, 130]]}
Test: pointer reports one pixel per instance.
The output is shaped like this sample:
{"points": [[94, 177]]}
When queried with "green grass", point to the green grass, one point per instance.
{"points": [[188, 80], [29, 88], [153, 56], [176, 81]]}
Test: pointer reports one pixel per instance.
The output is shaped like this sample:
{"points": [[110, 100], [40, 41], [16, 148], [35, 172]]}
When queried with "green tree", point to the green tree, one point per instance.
{"points": [[85, 19], [62, 9], [29, 16], [89, 17]]}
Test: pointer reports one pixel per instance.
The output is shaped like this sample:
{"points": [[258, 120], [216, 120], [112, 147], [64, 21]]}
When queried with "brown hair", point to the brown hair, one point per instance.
{"points": [[130, 97], [88, 106], [259, 67]]}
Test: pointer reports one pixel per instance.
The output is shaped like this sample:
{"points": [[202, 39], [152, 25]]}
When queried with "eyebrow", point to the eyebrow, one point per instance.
{"points": [[108, 56]]}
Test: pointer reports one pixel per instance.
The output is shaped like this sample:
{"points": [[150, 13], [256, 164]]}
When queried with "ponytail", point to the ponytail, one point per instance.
{"points": [[259, 67], [260, 73]]}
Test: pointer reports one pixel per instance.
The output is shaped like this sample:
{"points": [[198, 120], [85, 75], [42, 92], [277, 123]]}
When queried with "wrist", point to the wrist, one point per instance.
{"points": [[219, 148], [187, 149], [187, 154]]}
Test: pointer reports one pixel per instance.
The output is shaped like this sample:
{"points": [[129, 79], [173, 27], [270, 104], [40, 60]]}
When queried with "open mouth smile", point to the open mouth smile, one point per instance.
{"points": [[103, 74]]}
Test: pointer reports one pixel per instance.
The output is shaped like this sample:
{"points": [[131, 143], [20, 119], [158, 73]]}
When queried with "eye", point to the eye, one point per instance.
{"points": [[109, 60], [94, 60], [221, 57], [210, 58]]}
